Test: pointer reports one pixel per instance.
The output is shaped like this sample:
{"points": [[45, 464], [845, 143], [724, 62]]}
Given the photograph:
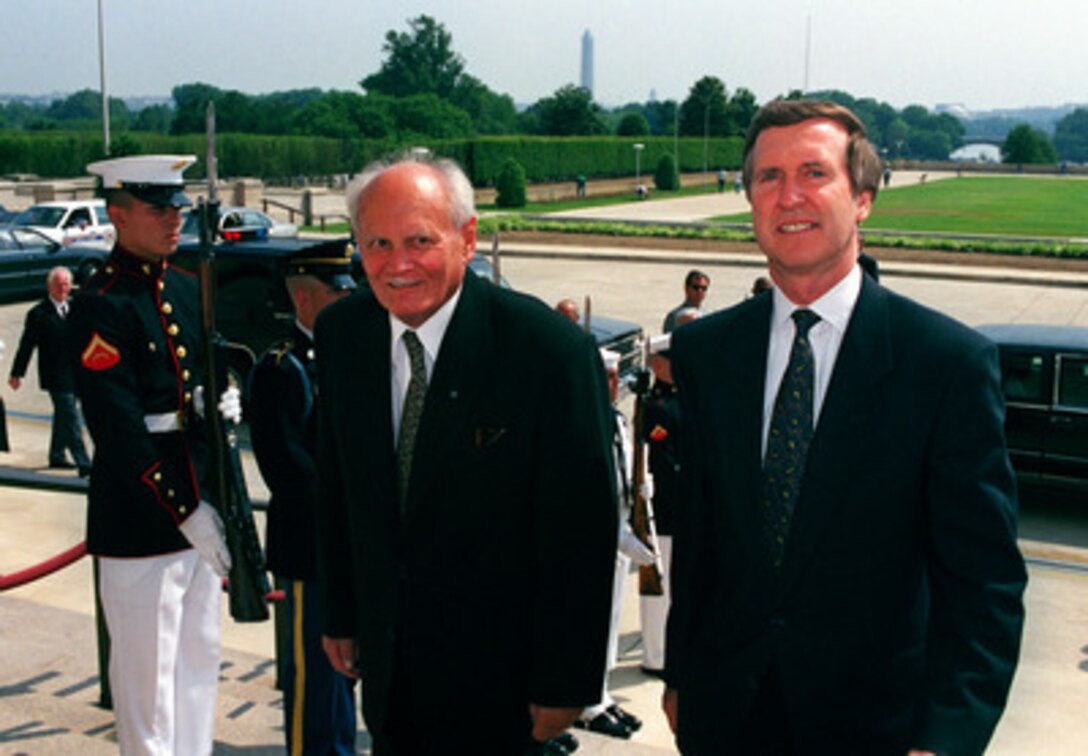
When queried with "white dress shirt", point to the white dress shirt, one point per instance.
{"points": [[430, 335], [834, 309]]}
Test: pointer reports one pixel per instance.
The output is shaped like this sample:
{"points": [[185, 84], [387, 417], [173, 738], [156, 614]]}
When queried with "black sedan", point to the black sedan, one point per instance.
{"points": [[27, 256]]}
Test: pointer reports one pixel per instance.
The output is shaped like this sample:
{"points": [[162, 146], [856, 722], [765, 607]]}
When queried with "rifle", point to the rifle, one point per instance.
{"points": [[247, 583], [642, 511]]}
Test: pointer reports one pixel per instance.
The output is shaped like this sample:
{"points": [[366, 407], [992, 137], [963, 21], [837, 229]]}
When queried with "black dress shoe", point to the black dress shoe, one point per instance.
{"points": [[567, 742], [61, 466], [624, 717], [605, 724], [85, 471]]}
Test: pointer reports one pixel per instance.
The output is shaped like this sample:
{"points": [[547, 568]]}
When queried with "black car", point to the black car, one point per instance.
{"points": [[27, 256], [253, 308], [1044, 375]]}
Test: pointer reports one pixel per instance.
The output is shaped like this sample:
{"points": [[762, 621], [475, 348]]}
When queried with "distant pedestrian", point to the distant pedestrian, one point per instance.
{"points": [[44, 330], [580, 185], [721, 179], [696, 283], [738, 181], [887, 177]]}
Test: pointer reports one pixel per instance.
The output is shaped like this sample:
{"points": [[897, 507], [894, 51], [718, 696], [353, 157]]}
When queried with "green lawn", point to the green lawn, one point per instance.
{"points": [[1013, 206]]}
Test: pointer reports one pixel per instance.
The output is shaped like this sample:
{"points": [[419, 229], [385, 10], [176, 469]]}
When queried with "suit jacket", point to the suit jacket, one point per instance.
{"points": [[896, 619], [494, 589], [44, 330], [282, 416]]}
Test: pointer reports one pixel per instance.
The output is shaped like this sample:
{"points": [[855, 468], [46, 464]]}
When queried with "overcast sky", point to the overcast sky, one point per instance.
{"points": [[984, 54]]}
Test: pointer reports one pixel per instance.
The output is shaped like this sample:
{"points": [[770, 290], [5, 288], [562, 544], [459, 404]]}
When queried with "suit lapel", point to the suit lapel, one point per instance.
{"points": [[846, 420]]}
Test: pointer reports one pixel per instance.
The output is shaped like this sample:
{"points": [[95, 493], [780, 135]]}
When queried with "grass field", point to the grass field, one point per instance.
{"points": [[1011, 206]]}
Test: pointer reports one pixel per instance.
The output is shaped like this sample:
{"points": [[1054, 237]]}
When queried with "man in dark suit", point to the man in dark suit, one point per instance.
{"points": [[467, 515], [846, 577], [44, 330]]}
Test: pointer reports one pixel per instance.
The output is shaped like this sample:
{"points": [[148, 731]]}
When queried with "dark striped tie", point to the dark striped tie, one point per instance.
{"points": [[789, 436], [411, 413]]}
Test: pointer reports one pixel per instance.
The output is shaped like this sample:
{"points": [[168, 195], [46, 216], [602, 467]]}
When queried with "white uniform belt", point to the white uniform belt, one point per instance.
{"points": [[165, 422]]}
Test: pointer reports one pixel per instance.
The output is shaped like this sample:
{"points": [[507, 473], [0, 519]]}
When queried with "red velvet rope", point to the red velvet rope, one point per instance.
{"points": [[48, 567], [65, 558]]}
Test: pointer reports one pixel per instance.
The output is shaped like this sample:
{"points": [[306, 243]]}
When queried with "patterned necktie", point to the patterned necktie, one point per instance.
{"points": [[789, 436], [411, 413]]}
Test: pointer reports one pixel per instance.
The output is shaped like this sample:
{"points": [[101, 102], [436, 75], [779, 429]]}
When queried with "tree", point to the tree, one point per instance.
{"points": [[418, 62], [1071, 136], [665, 175], [346, 115], [704, 111], [741, 109], [1027, 145], [156, 118], [569, 112], [428, 115], [633, 125], [510, 184], [491, 113], [190, 106]]}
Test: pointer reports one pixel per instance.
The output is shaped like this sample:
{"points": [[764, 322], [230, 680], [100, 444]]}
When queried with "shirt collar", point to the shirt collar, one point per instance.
{"points": [[433, 329], [834, 307]]}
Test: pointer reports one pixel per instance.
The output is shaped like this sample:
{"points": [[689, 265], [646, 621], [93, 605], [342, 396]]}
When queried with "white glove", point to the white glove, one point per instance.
{"points": [[204, 530], [639, 552], [647, 489], [230, 403]]}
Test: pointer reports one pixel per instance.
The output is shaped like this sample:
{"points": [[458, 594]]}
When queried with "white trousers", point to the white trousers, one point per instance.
{"points": [[654, 611], [619, 580], [162, 613]]}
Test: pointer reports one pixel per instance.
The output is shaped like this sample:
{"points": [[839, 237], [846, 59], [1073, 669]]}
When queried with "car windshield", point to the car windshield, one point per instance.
{"points": [[102, 215], [40, 216]]}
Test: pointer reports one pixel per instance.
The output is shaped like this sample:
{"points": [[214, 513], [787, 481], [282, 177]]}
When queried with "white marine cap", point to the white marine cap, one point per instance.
{"points": [[610, 359], [661, 344], [155, 179]]}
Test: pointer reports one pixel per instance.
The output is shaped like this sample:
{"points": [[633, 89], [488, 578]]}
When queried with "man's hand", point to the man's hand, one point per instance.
{"points": [[631, 546], [670, 704], [342, 655], [230, 405], [549, 722], [204, 530], [15, 383]]}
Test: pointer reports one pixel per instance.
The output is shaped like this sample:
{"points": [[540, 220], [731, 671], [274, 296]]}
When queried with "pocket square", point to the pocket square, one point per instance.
{"points": [[483, 437]]}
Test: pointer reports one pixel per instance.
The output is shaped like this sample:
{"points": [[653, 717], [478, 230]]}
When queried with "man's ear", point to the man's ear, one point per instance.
{"points": [[468, 237], [864, 204]]}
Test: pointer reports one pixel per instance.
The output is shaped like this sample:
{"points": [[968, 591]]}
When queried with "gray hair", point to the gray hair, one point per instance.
{"points": [[56, 271], [462, 200]]}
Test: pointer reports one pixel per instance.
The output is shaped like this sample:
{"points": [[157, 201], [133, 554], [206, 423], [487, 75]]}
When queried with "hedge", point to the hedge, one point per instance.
{"points": [[58, 154]]}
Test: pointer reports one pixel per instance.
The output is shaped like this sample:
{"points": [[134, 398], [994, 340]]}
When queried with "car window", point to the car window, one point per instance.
{"points": [[102, 215], [232, 220], [80, 217], [256, 219], [1022, 377], [1073, 382], [39, 216]]}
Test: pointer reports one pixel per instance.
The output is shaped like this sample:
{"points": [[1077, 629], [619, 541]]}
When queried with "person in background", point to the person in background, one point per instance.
{"points": [[318, 707], [846, 577], [696, 284], [136, 346], [606, 716], [44, 330], [467, 508], [661, 433], [568, 308]]}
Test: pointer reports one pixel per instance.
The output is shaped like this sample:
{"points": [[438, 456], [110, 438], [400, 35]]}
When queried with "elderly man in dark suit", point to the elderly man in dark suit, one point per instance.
{"points": [[44, 330], [846, 577], [467, 515]]}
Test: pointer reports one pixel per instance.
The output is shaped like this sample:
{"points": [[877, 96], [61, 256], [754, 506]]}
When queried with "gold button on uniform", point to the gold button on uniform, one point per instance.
{"points": [[173, 330], [182, 509], [181, 352], [185, 375], [188, 396], [151, 346], [157, 477], [167, 308]]}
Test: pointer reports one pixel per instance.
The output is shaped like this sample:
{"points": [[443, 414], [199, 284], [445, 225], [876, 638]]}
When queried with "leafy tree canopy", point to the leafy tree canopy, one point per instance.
{"points": [[1071, 136], [421, 61], [570, 111], [1025, 144]]}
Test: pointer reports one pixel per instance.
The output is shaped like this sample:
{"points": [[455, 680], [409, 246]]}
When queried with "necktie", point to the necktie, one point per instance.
{"points": [[62, 308], [789, 436], [411, 413]]}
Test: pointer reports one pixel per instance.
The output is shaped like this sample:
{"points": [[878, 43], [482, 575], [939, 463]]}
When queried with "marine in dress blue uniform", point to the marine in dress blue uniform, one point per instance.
{"points": [[318, 708], [135, 343]]}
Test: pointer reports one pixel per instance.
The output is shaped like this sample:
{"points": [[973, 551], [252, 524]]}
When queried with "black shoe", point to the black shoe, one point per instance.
{"points": [[555, 747], [567, 742], [605, 724], [84, 471], [624, 717], [658, 673], [61, 466]]}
